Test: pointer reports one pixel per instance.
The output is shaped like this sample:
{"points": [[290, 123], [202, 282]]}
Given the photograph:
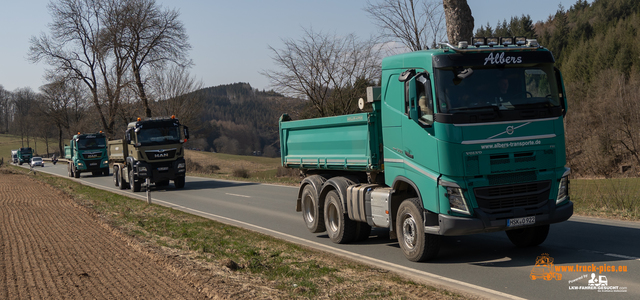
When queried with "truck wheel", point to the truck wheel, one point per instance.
{"points": [[76, 173], [105, 172], [123, 184], [179, 182], [415, 243], [135, 186], [69, 173], [312, 213], [116, 177], [528, 237], [340, 228]]}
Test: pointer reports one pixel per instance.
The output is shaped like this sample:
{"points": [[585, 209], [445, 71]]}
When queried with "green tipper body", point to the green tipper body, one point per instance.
{"points": [[348, 142], [445, 125]]}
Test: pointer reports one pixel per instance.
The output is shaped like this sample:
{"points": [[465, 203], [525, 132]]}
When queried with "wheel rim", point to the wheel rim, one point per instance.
{"points": [[309, 209], [332, 217], [409, 231]]}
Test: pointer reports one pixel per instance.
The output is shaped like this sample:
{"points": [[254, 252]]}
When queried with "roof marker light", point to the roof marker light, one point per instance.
{"points": [[493, 41], [521, 41], [478, 41], [506, 41]]}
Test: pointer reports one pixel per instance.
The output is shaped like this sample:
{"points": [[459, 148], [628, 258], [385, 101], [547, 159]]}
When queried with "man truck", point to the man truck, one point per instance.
{"points": [[150, 149], [459, 140], [24, 155], [87, 153]]}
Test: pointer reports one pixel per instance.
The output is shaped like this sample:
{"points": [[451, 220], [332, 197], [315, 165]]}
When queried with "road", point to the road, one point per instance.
{"points": [[484, 264]]}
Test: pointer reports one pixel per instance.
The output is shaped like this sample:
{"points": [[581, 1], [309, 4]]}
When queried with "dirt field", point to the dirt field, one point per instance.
{"points": [[50, 248]]}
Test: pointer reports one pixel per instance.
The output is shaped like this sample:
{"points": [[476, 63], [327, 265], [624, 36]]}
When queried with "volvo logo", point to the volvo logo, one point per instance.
{"points": [[510, 130]]}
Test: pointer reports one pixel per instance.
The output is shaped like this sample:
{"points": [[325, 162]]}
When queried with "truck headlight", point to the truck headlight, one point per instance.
{"points": [[456, 200], [105, 162], [181, 166], [80, 164], [142, 169], [563, 190]]}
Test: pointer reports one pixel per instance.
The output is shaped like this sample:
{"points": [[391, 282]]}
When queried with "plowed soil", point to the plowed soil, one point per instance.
{"points": [[50, 248]]}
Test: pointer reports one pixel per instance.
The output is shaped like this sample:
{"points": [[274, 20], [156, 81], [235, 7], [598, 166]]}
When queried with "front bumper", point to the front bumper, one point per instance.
{"points": [[160, 171], [93, 165], [481, 223]]}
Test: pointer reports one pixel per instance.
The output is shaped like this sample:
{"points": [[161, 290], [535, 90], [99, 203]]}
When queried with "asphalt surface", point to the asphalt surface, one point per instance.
{"points": [[484, 264]]}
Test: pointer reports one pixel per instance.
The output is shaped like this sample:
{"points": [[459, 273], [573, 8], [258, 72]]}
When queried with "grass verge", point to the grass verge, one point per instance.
{"points": [[617, 198], [286, 270]]}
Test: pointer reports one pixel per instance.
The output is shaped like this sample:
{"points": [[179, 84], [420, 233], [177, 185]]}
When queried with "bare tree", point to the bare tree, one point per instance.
{"points": [[5, 109], [318, 67], [63, 104], [82, 47], [417, 24], [155, 37], [174, 91], [459, 20], [24, 101]]}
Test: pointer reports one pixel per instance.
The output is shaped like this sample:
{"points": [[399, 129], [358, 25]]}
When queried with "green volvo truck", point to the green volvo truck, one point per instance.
{"points": [[24, 155], [459, 140], [87, 153], [151, 149]]}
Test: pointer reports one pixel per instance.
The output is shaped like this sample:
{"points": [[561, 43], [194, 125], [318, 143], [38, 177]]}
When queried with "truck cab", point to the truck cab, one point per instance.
{"points": [[24, 155], [87, 153], [151, 149]]}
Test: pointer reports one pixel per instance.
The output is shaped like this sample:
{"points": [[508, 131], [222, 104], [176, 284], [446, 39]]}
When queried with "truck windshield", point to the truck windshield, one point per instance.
{"points": [[506, 88], [160, 135], [92, 143], [25, 150]]}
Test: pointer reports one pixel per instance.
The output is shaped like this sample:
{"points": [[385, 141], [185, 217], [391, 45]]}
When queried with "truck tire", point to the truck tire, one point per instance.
{"points": [[96, 173], [135, 186], [340, 228], [105, 171], [528, 237], [312, 212], [123, 184], [69, 171], [162, 183], [116, 177], [179, 182], [76, 174], [414, 242]]}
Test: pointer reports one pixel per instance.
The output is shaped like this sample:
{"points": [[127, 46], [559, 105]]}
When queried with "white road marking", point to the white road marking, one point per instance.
{"points": [[622, 256], [244, 196]]}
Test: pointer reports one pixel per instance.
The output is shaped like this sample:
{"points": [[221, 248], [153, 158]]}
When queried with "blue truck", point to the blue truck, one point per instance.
{"points": [[458, 140]]}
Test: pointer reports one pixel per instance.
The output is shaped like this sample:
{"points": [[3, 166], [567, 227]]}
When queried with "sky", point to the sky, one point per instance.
{"points": [[230, 39]]}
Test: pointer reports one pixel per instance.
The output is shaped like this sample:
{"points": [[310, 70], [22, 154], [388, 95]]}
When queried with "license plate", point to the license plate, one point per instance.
{"points": [[521, 221], [163, 168], [93, 164]]}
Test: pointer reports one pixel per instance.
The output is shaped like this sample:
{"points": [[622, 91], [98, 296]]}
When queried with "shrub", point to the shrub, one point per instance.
{"points": [[242, 173]]}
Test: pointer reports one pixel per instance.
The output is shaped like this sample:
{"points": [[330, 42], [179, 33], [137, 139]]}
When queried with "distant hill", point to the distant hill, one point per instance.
{"points": [[238, 119]]}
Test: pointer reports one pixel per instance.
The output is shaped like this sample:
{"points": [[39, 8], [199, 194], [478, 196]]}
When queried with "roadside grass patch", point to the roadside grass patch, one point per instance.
{"points": [[617, 198]]}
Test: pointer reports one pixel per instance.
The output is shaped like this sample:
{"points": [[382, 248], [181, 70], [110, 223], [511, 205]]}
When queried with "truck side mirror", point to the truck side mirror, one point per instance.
{"points": [[186, 132], [127, 136]]}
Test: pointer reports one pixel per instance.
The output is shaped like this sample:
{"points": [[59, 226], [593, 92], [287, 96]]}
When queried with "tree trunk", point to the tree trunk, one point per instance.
{"points": [[459, 21]]}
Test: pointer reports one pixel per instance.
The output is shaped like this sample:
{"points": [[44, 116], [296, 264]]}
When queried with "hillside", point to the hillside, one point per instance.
{"points": [[238, 119]]}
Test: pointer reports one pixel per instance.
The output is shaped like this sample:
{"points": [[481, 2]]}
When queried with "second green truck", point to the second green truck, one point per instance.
{"points": [[87, 153]]}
